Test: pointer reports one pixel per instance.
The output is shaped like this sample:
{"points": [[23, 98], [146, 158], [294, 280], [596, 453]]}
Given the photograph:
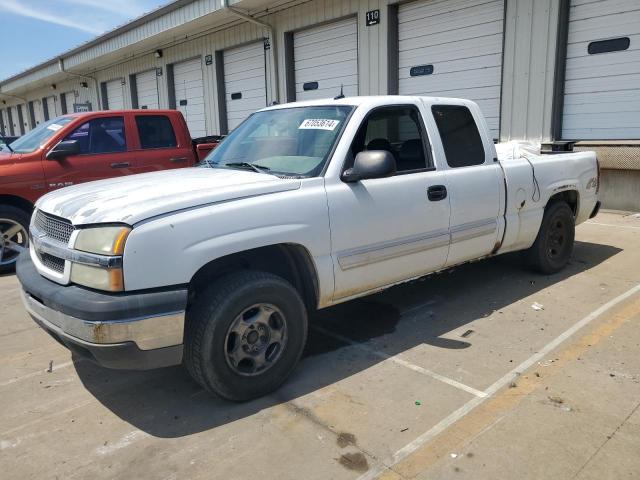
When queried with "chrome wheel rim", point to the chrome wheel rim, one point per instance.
{"points": [[256, 339], [13, 239]]}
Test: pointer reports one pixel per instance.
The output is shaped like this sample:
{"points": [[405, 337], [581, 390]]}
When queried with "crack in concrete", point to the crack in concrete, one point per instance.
{"points": [[609, 437]]}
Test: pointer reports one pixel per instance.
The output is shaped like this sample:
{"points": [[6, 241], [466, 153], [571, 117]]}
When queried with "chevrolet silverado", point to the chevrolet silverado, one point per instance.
{"points": [[303, 206]]}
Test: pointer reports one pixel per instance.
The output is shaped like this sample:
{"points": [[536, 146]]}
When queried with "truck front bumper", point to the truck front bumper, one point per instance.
{"points": [[138, 331]]}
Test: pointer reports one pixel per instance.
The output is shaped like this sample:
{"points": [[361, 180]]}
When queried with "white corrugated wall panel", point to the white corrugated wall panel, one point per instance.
{"points": [[602, 91], [189, 90], [462, 40], [326, 55], [147, 90], [115, 94], [244, 77]]}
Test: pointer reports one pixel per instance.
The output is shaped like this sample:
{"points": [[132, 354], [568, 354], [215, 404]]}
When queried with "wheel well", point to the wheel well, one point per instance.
{"points": [[570, 197], [289, 261], [17, 202]]}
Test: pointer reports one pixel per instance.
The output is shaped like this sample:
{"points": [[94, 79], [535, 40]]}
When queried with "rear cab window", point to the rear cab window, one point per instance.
{"points": [[155, 131], [460, 137]]}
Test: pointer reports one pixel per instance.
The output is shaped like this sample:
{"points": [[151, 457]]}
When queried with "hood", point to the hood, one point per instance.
{"points": [[135, 198]]}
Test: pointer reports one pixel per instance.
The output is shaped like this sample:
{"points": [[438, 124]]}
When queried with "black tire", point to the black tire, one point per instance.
{"points": [[552, 249], [215, 312], [9, 214]]}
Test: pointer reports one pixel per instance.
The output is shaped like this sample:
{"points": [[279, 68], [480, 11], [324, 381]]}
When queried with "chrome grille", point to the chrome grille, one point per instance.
{"points": [[53, 263], [53, 227]]}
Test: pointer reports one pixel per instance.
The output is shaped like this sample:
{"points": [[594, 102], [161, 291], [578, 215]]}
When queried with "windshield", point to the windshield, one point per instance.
{"points": [[39, 135], [289, 141]]}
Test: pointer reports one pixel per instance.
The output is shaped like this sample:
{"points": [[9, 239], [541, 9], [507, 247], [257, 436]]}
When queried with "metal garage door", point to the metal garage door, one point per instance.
{"points": [[244, 82], [52, 107], [115, 94], [18, 128], [69, 100], [5, 122], [453, 48], [326, 58], [38, 112], [147, 89], [602, 77], [189, 90]]}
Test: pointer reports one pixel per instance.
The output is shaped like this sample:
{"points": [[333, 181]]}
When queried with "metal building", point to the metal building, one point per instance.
{"points": [[541, 70]]}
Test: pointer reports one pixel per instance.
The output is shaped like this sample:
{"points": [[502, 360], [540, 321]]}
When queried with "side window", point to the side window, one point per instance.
{"points": [[397, 130], [155, 131], [100, 135], [460, 137]]}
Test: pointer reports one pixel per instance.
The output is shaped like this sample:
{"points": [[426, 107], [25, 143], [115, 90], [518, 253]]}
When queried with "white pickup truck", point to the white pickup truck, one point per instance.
{"points": [[303, 206]]}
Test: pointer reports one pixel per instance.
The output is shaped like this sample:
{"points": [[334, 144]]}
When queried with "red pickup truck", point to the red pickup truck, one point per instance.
{"points": [[82, 147]]}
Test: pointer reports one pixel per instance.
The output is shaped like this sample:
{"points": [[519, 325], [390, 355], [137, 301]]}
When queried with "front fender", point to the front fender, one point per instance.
{"points": [[170, 250]]}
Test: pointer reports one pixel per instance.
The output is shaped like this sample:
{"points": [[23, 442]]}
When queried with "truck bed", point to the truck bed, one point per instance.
{"points": [[533, 178]]}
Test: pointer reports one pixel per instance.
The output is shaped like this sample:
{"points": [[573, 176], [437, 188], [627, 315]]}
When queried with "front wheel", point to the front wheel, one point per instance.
{"points": [[552, 249], [14, 225], [245, 334]]}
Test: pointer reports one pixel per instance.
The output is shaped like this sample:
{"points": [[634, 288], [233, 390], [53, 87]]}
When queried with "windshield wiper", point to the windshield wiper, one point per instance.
{"points": [[252, 166], [8, 146]]}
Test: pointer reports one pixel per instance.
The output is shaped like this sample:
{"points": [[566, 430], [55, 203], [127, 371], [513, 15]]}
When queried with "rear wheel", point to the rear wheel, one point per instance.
{"points": [[552, 249], [14, 225], [245, 334]]}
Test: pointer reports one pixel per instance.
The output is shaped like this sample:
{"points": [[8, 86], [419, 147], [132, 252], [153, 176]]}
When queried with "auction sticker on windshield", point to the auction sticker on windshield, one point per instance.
{"points": [[54, 126], [319, 124]]}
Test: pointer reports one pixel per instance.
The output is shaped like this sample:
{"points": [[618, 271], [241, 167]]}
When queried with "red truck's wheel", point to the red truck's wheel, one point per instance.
{"points": [[14, 225], [245, 334], [552, 248]]}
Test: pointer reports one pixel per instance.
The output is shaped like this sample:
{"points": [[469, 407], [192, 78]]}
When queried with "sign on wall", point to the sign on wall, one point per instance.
{"points": [[82, 107], [372, 17]]}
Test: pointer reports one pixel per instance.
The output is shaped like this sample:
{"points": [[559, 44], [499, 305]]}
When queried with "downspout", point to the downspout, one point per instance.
{"points": [[95, 81], [275, 84]]}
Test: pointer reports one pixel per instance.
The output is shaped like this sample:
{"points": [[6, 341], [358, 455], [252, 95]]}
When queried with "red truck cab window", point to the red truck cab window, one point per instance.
{"points": [[155, 131], [100, 135]]}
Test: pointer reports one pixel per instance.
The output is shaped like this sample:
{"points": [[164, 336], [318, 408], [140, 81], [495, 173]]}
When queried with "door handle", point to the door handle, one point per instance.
{"points": [[120, 165], [178, 159], [437, 193]]}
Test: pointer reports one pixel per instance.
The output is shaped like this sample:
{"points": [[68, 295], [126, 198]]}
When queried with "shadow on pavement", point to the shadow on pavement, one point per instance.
{"points": [[167, 403]]}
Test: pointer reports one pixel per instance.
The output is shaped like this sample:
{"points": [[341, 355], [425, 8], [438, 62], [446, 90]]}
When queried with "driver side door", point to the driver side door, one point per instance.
{"points": [[103, 154], [387, 230]]}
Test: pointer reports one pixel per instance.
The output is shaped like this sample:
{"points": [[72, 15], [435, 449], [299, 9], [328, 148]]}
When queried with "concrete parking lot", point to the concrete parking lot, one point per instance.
{"points": [[488, 371]]}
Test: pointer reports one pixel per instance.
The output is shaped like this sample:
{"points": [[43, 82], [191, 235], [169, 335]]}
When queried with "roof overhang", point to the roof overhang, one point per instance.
{"points": [[178, 21]]}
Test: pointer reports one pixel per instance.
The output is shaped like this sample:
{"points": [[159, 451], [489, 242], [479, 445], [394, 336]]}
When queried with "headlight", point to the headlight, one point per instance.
{"points": [[107, 241], [100, 278], [102, 240]]}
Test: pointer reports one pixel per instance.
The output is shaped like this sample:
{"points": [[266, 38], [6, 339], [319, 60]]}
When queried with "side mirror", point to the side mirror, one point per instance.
{"points": [[370, 164], [66, 148]]}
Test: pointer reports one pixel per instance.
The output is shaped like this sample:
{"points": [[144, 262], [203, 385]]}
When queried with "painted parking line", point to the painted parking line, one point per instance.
{"points": [[613, 225], [468, 407], [40, 372], [399, 361]]}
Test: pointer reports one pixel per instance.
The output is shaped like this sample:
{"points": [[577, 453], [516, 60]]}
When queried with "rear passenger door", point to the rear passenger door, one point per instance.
{"points": [[474, 181], [159, 145], [386, 230], [103, 153]]}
